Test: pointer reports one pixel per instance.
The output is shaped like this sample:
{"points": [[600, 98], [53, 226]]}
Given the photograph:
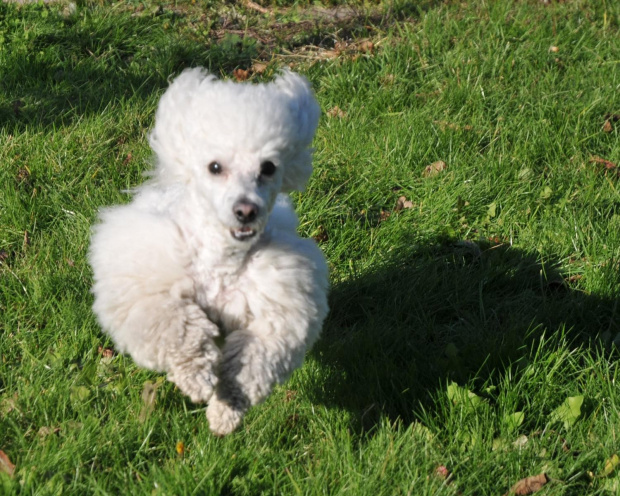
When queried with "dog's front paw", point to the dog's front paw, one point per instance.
{"points": [[222, 417], [199, 386]]}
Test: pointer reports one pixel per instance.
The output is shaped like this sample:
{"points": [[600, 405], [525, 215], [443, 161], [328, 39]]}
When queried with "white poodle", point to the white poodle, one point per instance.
{"points": [[203, 275]]}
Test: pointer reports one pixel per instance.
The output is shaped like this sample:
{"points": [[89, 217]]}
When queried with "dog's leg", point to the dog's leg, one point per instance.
{"points": [[193, 355], [288, 315], [145, 300], [251, 365]]}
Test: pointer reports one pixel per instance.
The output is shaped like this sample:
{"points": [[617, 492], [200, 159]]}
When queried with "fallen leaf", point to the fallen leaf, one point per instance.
{"points": [[384, 215], [554, 49], [8, 404], [105, 352], [241, 74], [79, 394], [442, 472], [321, 236], [610, 466], [434, 168], [149, 396], [388, 80], [568, 412], [607, 127], [47, 431], [443, 125], [546, 193], [257, 7], [5, 464], [529, 485], [513, 420], [521, 441], [290, 394], [127, 159], [336, 112], [367, 46], [259, 67], [606, 163], [462, 396], [180, 447], [402, 203], [341, 46], [23, 175]]}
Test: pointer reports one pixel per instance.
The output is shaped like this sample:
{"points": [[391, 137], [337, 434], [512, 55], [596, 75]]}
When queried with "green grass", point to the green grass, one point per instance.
{"points": [[501, 278]]}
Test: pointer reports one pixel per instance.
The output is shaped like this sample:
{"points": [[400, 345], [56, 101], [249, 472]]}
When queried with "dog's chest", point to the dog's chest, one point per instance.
{"points": [[221, 295]]}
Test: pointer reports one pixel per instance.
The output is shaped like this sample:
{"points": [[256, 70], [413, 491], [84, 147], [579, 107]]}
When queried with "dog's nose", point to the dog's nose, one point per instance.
{"points": [[245, 211]]}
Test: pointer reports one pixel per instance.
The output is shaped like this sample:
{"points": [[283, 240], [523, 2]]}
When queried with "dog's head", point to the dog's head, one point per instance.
{"points": [[235, 145]]}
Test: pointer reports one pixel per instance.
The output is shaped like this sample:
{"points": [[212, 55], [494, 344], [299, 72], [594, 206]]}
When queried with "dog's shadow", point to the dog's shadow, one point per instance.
{"points": [[451, 311]]}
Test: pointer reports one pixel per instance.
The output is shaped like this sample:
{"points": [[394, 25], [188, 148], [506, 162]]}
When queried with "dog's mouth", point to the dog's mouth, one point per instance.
{"points": [[243, 233]]}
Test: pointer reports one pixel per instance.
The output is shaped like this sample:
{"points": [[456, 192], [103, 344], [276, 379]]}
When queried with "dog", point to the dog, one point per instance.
{"points": [[202, 275]]}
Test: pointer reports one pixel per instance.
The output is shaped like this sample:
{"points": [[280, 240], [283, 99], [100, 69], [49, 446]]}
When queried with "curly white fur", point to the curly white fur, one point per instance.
{"points": [[202, 275]]}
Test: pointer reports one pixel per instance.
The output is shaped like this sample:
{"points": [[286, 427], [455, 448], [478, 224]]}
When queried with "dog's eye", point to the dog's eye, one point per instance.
{"points": [[267, 169], [215, 168]]}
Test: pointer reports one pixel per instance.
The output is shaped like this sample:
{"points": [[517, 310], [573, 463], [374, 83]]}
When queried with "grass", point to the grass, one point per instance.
{"points": [[460, 325]]}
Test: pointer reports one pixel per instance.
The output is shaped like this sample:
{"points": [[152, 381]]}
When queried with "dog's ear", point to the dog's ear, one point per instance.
{"points": [[169, 137], [305, 112]]}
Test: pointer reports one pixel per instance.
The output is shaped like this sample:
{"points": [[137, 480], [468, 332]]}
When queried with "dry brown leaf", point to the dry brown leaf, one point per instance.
{"points": [[127, 159], [241, 74], [554, 49], [290, 395], [8, 404], [384, 215], [47, 431], [259, 67], [105, 352], [341, 46], [434, 168], [607, 163], [257, 7], [529, 485], [443, 125], [442, 472], [336, 111], [402, 203], [607, 127], [321, 236], [149, 395], [23, 175], [388, 80], [428, 95], [5, 464], [367, 46]]}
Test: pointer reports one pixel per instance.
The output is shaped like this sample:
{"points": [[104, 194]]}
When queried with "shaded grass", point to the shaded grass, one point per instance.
{"points": [[503, 276]]}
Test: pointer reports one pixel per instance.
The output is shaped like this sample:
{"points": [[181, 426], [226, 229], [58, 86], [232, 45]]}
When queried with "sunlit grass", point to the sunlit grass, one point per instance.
{"points": [[460, 324]]}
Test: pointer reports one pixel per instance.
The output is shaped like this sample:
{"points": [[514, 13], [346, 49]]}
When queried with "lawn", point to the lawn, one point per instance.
{"points": [[465, 194]]}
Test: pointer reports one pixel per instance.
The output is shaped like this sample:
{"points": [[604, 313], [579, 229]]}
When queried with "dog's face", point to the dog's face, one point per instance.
{"points": [[235, 146], [241, 188]]}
